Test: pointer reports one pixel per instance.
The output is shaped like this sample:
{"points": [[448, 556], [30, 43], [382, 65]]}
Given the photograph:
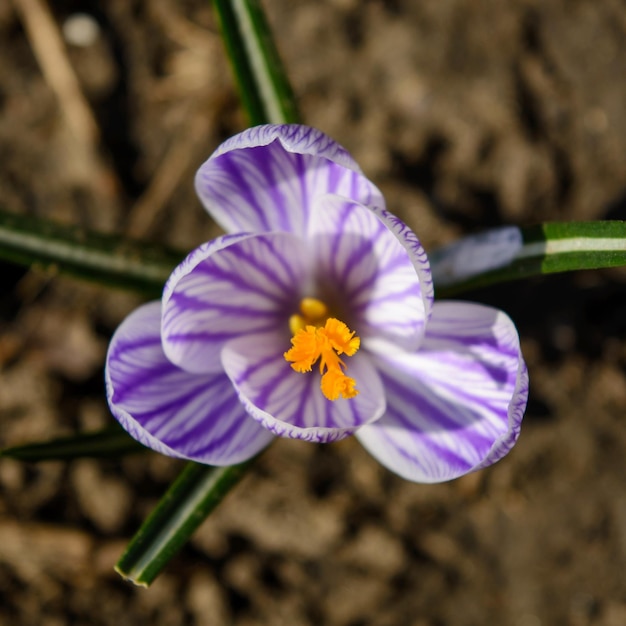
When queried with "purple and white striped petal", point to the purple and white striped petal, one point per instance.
{"points": [[368, 272], [233, 286], [296, 138], [191, 416], [290, 404], [409, 241], [266, 178], [456, 405]]}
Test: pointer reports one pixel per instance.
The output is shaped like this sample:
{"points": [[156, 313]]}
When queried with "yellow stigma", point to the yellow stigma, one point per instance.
{"points": [[313, 311], [317, 337]]}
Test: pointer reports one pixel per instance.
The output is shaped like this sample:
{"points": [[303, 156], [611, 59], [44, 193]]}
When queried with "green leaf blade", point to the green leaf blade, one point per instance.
{"points": [[105, 259], [187, 503], [545, 249], [263, 84], [106, 443]]}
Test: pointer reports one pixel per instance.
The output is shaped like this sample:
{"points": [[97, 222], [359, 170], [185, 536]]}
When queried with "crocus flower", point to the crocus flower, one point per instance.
{"points": [[313, 318]]}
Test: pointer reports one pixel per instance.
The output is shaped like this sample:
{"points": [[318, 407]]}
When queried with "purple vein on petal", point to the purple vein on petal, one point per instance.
{"points": [[199, 429], [253, 368], [272, 277], [433, 417], [138, 378], [339, 231], [389, 297], [211, 337], [428, 441], [190, 302], [437, 451], [167, 410], [357, 255], [411, 243], [137, 344], [244, 187], [236, 279], [394, 264], [250, 286]]}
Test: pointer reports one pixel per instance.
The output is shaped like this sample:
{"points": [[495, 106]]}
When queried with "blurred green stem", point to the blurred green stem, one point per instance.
{"points": [[109, 442], [186, 504], [105, 259], [263, 84]]}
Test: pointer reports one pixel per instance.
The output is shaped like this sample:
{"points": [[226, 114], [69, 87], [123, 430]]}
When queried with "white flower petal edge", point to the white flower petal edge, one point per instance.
{"points": [[455, 405], [266, 178], [409, 241], [233, 286], [290, 404], [196, 417], [296, 138]]}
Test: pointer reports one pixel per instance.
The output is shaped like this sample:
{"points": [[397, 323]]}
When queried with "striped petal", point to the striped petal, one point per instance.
{"points": [[409, 241], [266, 178], [197, 417], [290, 404], [233, 286], [368, 272], [456, 405]]}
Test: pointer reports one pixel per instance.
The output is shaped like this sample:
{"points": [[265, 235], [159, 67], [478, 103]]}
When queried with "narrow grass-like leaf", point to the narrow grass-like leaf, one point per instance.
{"points": [[510, 253], [190, 499], [263, 85], [109, 442], [105, 259]]}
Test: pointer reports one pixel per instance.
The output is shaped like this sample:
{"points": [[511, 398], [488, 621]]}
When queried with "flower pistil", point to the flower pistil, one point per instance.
{"points": [[313, 340]]}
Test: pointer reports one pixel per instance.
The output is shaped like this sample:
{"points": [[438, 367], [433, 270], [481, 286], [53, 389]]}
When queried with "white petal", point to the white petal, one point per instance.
{"points": [[409, 241], [455, 405], [266, 178], [197, 417], [291, 404], [234, 286], [369, 273]]}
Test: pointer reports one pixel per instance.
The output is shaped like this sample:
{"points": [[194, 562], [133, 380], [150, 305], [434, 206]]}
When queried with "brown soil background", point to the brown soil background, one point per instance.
{"points": [[468, 114]]}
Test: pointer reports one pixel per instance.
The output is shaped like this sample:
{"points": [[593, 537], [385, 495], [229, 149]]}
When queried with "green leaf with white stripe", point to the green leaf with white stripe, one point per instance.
{"points": [[263, 84], [190, 499], [510, 253], [105, 259]]}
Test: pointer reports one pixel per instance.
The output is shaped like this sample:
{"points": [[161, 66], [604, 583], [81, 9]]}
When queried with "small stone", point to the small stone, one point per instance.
{"points": [[81, 30]]}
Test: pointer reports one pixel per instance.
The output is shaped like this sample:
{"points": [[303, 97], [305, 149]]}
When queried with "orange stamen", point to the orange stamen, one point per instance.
{"points": [[310, 343]]}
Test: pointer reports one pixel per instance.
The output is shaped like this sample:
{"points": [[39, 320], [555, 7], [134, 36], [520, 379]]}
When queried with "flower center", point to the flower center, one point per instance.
{"points": [[317, 336]]}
